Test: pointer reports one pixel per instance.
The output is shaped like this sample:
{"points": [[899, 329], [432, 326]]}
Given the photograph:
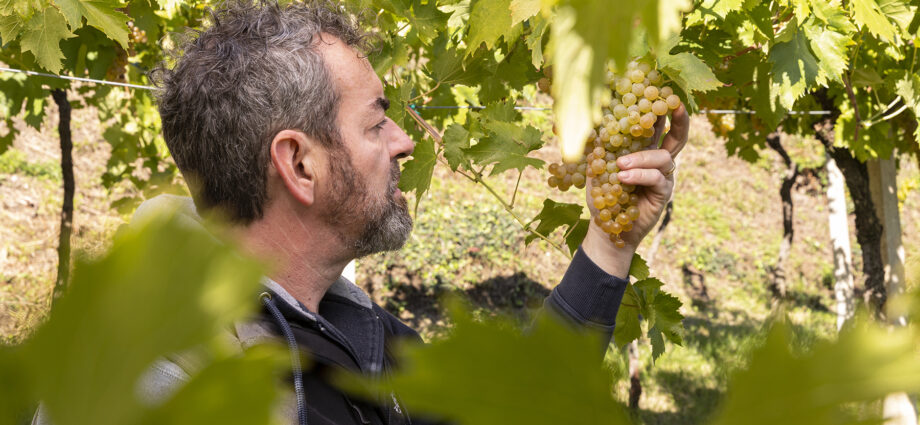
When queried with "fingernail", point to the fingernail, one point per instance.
{"points": [[623, 175], [626, 162]]}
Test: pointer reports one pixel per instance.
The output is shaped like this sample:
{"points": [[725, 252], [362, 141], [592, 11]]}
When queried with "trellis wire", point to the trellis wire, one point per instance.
{"points": [[520, 108]]}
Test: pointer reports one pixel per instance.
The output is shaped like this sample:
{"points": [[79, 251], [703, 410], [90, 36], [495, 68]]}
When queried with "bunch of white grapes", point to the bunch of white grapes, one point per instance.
{"points": [[639, 100]]}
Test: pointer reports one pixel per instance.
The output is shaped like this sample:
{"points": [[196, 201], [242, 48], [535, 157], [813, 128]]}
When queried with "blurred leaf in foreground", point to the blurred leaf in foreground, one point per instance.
{"points": [[864, 364], [163, 288], [490, 373]]}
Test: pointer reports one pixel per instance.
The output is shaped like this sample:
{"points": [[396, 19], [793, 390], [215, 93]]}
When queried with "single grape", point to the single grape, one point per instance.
{"points": [[619, 243], [638, 90], [619, 111], [654, 76], [644, 105], [648, 132], [606, 188], [616, 140], [673, 101], [632, 212], [596, 192], [634, 117], [660, 107], [623, 86], [599, 202], [607, 226], [628, 188], [635, 130], [553, 181], [635, 145], [555, 170], [578, 180], [647, 120], [623, 198], [564, 187], [624, 123], [644, 67], [651, 92], [622, 218], [604, 214], [629, 99], [633, 199], [636, 76], [663, 92], [567, 180], [610, 199], [615, 209]]}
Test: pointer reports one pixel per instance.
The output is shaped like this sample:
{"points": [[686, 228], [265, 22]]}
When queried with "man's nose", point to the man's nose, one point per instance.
{"points": [[401, 144]]}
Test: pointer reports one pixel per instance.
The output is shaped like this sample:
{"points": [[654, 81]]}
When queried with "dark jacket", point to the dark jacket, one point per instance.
{"points": [[353, 333]]}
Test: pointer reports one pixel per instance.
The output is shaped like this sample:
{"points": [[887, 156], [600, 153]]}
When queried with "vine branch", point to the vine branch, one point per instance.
{"points": [[477, 177]]}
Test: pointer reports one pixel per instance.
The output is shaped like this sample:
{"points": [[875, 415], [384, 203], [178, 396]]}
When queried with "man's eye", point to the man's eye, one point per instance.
{"points": [[380, 125]]}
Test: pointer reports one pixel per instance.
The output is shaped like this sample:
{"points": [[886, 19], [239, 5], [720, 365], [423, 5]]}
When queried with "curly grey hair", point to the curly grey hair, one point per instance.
{"points": [[253, 72]]}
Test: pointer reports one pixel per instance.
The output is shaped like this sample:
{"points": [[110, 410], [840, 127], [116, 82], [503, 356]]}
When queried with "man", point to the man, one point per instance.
{"points": [[277, 121]]}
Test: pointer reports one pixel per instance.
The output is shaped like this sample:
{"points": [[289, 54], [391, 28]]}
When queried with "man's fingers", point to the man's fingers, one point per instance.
{"points": [[652, 159], [642, 177], [675, 140]]}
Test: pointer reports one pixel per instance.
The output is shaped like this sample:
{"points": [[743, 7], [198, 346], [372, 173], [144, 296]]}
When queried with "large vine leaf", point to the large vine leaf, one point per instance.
{"points": [[456, 138], [42, 36], [795, 69], [550, 375], [416, 173], [553, 216], [101, 14], [163, 288], [868, 13], [489, 20], [830, 47], [909, 89], [689, 72], [780, 386], [521, 10]]}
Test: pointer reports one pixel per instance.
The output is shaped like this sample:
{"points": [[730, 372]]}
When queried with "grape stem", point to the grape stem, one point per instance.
{"points": [[477, 177]]}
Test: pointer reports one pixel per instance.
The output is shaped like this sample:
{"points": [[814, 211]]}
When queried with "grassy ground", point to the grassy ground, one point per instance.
{"points": [[724, 235]]}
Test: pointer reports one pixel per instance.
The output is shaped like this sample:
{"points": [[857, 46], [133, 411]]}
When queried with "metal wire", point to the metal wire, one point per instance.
{"points": [[85, 80], [520, 108]]}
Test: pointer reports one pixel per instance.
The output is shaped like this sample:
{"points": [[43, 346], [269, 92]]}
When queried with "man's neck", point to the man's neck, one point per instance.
{"points": [[300, 257]]}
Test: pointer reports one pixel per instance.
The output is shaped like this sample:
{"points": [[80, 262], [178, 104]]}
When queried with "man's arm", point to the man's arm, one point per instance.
{"points": [[591, 290]]}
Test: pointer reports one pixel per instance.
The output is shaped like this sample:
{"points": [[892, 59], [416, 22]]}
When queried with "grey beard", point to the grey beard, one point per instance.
{"points": [[389, 225]]}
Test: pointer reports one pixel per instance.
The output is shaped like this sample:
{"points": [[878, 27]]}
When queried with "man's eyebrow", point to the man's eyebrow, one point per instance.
{"points": [[383, 103]]}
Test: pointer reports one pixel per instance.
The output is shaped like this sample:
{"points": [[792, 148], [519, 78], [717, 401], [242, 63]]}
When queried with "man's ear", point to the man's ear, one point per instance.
{"points": [[294, 157]]}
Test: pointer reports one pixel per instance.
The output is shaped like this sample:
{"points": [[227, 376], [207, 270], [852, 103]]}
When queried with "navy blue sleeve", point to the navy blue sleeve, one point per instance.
{"points": [[587, 296]]}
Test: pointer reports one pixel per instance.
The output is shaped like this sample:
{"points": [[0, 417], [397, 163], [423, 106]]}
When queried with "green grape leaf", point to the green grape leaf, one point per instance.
{"points": [[521, 10], [638, 268], [795, 69], [864, 364], [506, 144], [668, 319], [489, 20], [428, 20], [416, 173], [689, 72], [163, 288], [866, 77], [534, 40], [909, 89], [900, 12], [42, 36], [553, 216], [101, 14], [868, 13], [580, 37], [527, 382], [765, 101], [10, 27], [627, 327], [393, 52], [712, 10], [830, 12], [654, 336], [830, 47], [234, 390], [577, 235], [456, 138]]}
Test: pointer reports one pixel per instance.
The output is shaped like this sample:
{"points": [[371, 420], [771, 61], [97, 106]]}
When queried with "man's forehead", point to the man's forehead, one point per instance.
{"points": [[351, 71]]}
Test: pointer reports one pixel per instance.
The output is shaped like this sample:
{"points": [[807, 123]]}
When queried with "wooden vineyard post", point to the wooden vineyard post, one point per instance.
{"points": [[898, 408]]}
